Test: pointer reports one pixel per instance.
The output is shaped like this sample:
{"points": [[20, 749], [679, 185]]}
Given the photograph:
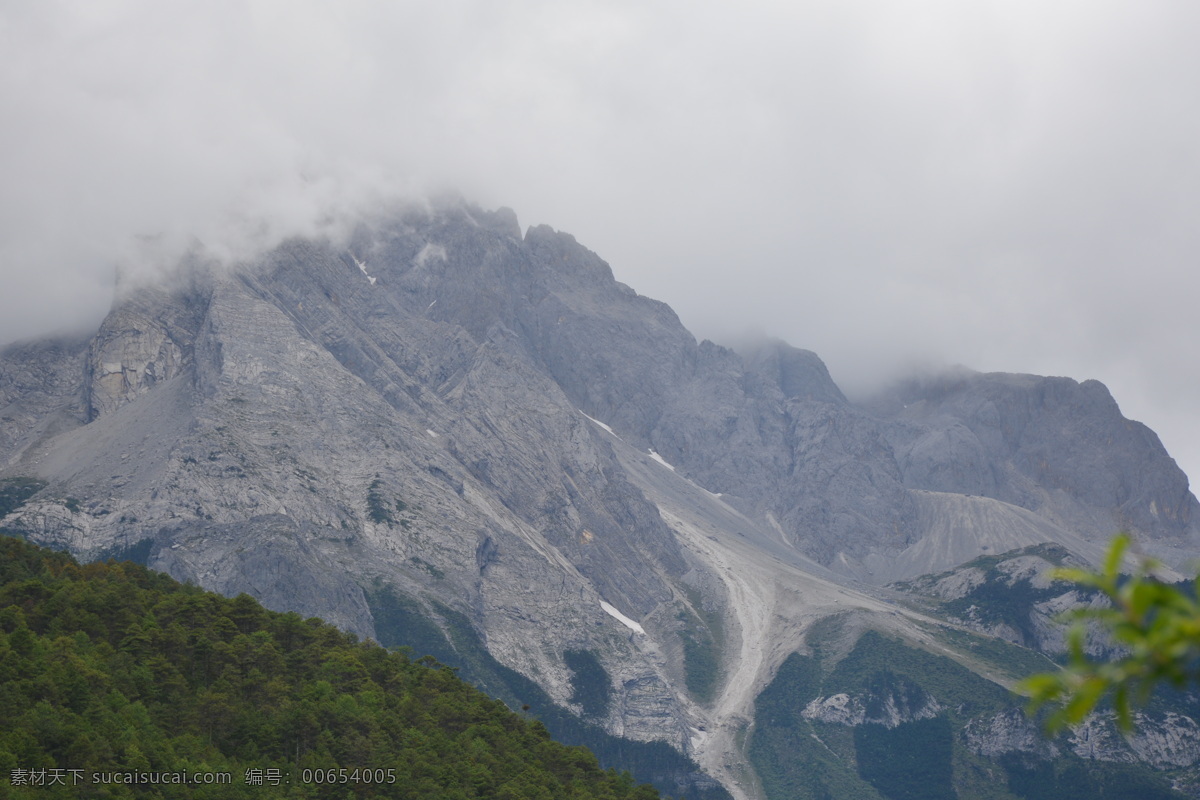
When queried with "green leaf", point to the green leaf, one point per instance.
{"points": [[1158, 624]]}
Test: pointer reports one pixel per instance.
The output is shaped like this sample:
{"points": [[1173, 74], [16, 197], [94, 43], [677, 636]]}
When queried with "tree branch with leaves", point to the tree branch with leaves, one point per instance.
{"points": [[1156, 624]]}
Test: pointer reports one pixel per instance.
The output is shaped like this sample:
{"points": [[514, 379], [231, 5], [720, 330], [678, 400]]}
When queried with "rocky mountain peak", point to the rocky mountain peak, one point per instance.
{"points": [[521, 451], [1047, 444], [799, 374]]}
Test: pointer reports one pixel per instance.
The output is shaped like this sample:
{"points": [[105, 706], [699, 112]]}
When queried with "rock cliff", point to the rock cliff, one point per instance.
{"points": [[489, 425]]}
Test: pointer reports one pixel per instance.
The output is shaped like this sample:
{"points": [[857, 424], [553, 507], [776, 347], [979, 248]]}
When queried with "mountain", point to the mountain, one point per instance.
{"points": [[443, 429]]}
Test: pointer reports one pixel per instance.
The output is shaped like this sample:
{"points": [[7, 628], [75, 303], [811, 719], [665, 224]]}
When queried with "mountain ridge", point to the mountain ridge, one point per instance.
{"points": [[492, 422]]}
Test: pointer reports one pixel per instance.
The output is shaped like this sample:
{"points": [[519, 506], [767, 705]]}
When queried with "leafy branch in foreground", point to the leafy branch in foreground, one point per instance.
{"points": [[1155, 624]]}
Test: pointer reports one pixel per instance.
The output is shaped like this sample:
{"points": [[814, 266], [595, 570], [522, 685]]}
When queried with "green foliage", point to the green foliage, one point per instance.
{"points": [[994, 654], [381, 511], [909, 762], [997, 601], [953, 684], [423, 564], [138, 552], [797, 757], [110, 668], [701, 664], [401, 622], [1075, 780], [1156, 624], [590, 685], [14, 492], [703, 638], [791, 758], [797, 682], [800, 757], [378, 510]]}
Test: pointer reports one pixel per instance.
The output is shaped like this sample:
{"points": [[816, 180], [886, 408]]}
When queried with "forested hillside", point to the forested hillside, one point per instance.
{"points": [[116, 681]]}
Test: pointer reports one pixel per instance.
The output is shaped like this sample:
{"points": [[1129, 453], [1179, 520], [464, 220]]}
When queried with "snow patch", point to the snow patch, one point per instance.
{"points": [[601, 424], [660, 459], [363, 266], [621, 618]]}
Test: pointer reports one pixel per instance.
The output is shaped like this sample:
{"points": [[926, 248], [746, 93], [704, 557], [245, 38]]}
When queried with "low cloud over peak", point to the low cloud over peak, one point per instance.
{"points": [[1006, 185]]}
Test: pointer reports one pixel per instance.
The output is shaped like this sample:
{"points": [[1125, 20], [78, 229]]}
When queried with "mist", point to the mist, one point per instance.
{"points": [[1009, 186]]}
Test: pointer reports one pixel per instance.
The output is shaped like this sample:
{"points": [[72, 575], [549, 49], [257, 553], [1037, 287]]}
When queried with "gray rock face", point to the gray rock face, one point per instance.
{"points": [[302, 428], [1008, 732], [1014, 597], [40, 393], [1166, 741], [446, 407], [288, 565], [1050, 445], [890, 709]]}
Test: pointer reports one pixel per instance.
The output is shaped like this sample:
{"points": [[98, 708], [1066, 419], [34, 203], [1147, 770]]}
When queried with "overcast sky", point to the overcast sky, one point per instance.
{"points": [[1007, 185]]}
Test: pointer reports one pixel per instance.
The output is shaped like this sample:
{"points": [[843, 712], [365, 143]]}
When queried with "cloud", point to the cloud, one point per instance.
{"points": [[1008, 185]]}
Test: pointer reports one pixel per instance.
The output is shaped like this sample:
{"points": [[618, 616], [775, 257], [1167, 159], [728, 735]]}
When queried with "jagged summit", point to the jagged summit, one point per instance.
{"points": [[1051, 445], [447, 317], [494, 428]]}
